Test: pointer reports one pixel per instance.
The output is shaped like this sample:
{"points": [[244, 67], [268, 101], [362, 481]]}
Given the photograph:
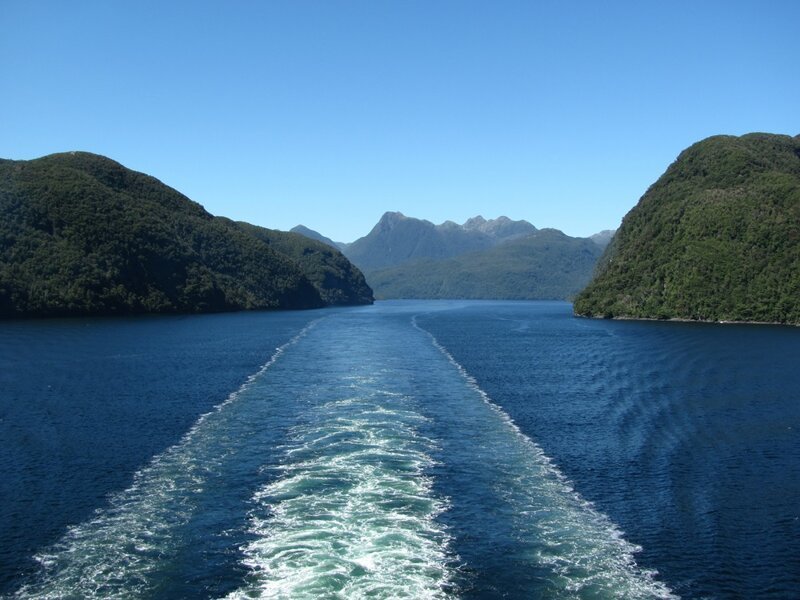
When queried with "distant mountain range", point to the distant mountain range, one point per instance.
{"points": [[397, 239], [544, 265], [716, 238], [82, 235], [404, 257]]}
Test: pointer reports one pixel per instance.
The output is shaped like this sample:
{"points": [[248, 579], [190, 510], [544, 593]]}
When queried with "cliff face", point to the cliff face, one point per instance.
{"points": [[717, 237]]}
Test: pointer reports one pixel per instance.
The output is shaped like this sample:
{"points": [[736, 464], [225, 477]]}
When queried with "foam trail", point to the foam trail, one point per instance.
{"points": [[571, 549], [120, 552], [352, 515]]}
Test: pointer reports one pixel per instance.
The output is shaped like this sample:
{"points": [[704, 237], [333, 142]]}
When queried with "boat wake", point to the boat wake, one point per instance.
{"points": [[561, 545]]}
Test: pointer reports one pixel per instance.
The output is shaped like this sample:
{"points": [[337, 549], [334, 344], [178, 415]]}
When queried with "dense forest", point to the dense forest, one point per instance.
{"points": [[82, 235], [339, 281], [717, 237]]}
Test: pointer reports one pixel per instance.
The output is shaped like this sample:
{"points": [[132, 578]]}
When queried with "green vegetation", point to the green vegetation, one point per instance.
{"points": [[717, 238], [404, 257], [82, 235], [314, 235], [398, 239], [544, 265], [339, 282]]}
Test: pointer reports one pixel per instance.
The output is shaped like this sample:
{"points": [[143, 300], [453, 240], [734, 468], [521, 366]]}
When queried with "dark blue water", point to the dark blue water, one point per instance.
{"points": [[84, 403], [686, 435], [410, 449]]}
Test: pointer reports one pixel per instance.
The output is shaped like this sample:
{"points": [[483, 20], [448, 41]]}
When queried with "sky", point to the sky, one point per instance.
{"points": [[330, 113]]}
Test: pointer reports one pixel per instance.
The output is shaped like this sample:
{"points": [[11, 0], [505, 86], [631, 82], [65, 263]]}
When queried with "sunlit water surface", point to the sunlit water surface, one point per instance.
{"points": [[410, 449]]}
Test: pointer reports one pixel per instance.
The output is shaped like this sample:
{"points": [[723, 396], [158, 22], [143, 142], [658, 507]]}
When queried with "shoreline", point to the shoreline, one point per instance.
{"points": [[684, 320]]}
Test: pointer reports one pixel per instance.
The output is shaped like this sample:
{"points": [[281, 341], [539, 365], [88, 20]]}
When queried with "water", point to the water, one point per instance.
{"points": [[686, 435], [410, 449]]}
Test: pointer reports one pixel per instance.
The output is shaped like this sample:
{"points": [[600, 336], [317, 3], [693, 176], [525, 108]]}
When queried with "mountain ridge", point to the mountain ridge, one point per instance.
{"points": [[314, 235], [545, 265], [396, 239], [405, 257]]}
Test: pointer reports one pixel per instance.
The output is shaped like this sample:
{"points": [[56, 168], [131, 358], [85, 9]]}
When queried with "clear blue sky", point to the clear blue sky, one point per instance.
{"points": [[329, 113]]}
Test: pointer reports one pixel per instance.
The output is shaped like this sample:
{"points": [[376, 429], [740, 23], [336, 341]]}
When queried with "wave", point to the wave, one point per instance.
{"points": [[327, 482], [570, 548], [352, 514], [121, 551]]}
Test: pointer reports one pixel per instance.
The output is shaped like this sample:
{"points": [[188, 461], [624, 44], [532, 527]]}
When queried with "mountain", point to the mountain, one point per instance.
{"points": [[716, 238], [546, 264], [82, 235], [603, 238], [501, 228], [314, 235], [338, 281], [398, 239], [403, 257]]}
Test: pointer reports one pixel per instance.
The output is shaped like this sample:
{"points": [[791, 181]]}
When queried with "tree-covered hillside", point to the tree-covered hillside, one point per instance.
{"points": [[717, 237], [544, 265], [337, 279], [82, 235], [314, 235]]}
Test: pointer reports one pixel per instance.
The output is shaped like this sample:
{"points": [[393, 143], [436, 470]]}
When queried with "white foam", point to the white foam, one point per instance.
{"points": [[357, 521], [580, 544], [116, 552]]}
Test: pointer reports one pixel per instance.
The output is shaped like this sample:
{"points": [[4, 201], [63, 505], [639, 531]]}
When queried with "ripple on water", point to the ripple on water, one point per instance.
{"points": [[524, 529], [186, 496]]}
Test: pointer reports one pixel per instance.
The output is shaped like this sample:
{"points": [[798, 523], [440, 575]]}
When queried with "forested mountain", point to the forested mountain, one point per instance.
{"points": [[339, 281], [403, 257], [82, 235], [717, 237], [314, 235], [398, 239], [544, 265]]}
